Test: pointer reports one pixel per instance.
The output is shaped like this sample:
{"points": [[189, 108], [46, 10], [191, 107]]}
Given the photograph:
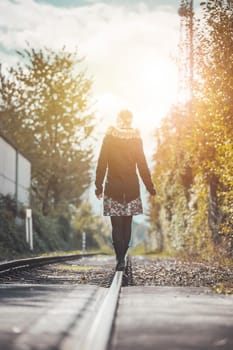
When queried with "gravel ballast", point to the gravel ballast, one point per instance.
{"points": [[174, 272]]}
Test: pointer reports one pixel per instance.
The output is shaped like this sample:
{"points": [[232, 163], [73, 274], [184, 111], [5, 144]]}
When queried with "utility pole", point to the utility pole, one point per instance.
{"points": [[191, 58], [186, 13]]}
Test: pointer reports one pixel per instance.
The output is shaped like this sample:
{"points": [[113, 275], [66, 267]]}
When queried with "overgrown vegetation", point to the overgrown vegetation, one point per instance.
{"points": [[50, 233], [193, 212], [12, 238]]}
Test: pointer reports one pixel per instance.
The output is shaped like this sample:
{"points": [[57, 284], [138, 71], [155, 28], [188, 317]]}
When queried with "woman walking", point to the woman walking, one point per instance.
{"points": [[121, 154]]}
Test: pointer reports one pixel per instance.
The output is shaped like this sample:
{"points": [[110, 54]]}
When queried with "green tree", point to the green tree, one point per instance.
{"points": [[96, 229], [46, 111]]}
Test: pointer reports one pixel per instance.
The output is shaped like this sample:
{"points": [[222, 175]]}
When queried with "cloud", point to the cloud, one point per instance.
{"points": [[92, 27], [127, 48]]}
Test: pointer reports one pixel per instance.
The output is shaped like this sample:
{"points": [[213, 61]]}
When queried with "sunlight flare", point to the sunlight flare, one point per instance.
{"points": [[156, 84]]}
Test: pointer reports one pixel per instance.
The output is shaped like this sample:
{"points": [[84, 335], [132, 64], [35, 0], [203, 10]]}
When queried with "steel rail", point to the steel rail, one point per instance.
{"points": [[98, 336], [38, 261]]}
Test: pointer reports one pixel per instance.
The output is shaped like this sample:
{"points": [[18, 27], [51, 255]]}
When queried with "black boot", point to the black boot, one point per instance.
{"points": [[121, 259], [120, 255], [120, 266]]}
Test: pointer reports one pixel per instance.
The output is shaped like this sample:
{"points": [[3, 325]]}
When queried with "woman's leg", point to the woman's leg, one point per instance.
{"points": [[121, 234], [117, 228], [127, 223], [118, 239]]}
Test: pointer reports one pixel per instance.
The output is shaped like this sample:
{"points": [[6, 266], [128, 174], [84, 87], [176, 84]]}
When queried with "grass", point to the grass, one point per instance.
{"points": [[141, 250], [75, 268], [215, 257]]}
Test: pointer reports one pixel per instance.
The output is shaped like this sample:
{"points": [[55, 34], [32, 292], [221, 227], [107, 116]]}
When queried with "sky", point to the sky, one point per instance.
{"points": [[130, 49]]}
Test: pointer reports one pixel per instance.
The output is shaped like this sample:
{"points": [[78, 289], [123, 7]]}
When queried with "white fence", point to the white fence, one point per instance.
{"points": [[15, 173]]}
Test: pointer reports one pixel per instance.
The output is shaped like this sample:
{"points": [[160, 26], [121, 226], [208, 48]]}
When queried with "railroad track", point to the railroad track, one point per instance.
{"points": [[99, 326], [21, 264], [33, 270], [99, 335], [97, 315], [87, 316], [94, 269]]}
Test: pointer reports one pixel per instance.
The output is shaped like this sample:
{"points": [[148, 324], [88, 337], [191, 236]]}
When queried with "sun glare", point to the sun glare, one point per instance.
{"points": [[149, 96], [159, 89]]}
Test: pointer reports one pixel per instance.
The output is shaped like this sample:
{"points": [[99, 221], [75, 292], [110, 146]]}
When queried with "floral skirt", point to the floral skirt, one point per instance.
{"points": [[114, 208]]}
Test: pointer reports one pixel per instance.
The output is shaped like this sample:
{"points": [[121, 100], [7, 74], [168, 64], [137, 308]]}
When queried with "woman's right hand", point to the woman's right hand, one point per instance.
{"points": [[153, 192], [99, 196]]}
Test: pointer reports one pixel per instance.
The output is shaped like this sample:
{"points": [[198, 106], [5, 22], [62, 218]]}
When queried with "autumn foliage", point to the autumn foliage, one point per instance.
{"points": [[193, 171]]}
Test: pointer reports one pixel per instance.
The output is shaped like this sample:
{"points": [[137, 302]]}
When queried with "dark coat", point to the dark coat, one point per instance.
{"points": [[121, 154]]}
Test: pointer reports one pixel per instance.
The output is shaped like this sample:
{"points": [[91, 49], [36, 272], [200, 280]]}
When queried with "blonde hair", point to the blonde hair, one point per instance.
{"points": [[124, 119]]}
